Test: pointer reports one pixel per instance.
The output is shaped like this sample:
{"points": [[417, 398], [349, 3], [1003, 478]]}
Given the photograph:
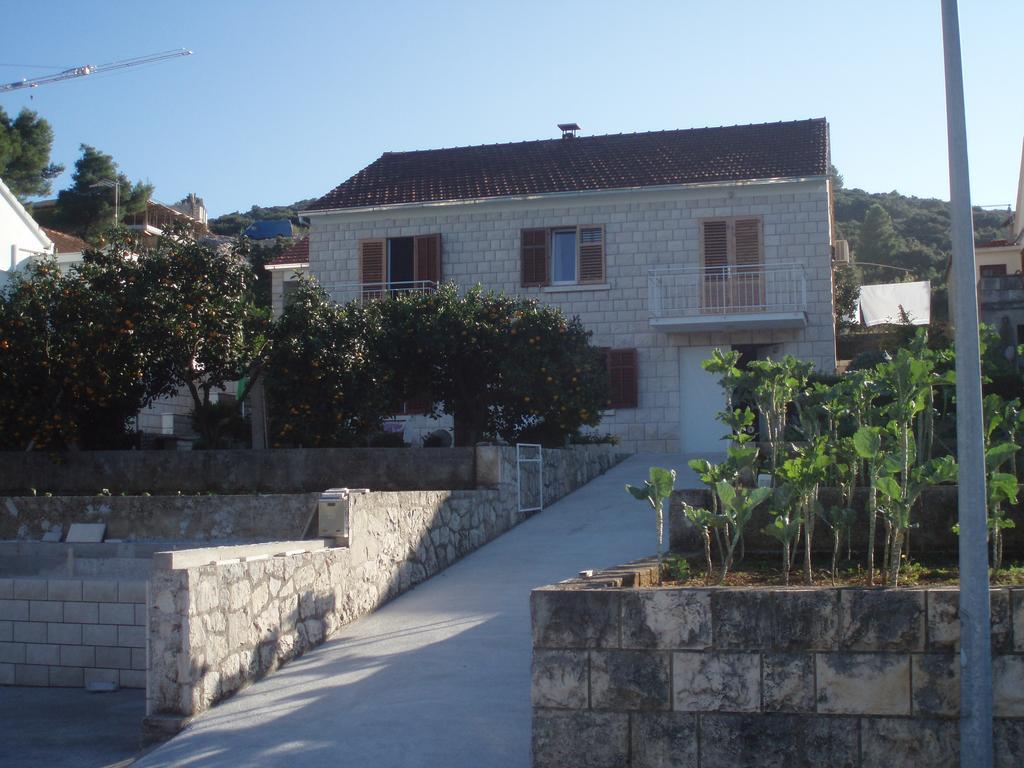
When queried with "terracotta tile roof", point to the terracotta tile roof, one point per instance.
{"points": [[296, 253], [736, 153], [65, 243]]}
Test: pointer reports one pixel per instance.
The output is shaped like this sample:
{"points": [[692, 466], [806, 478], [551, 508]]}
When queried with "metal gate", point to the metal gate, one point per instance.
{"points": [[529, 477]]}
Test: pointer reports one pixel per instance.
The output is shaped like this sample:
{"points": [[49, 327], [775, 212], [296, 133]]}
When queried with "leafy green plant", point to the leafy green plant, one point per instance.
{"points": [[785, 525], [867, 441], [738, 506], [804, 473], [774, 384], [675, 568], [658, 487], [840, 521], [703, 520]]}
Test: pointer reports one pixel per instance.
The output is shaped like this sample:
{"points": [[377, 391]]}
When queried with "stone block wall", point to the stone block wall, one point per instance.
{"points": [[72, 632], [761, 677], [225, 616], [284, 470], [644, 229], [169, 518]]}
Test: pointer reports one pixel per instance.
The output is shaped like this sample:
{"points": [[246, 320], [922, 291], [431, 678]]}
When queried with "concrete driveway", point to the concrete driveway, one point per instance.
{"points": [[69, 727], [440, 676]]}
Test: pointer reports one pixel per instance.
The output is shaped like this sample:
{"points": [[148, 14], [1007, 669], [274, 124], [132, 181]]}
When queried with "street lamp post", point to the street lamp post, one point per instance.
{"points": [[117, 195], [975, 630]]}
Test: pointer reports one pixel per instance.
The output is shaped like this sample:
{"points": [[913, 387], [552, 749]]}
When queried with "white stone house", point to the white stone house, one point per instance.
{"points": [[666, 244]]}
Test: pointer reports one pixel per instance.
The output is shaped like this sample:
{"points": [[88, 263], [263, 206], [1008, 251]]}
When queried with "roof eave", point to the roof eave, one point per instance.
{"points": [[565, 195]]}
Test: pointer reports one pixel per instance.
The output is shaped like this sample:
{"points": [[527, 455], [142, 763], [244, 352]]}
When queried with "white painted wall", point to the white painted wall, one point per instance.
{"points": [[20, 237], [644, 228]]}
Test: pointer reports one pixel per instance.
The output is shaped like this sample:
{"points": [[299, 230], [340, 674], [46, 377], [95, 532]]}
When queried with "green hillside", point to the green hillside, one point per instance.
{"points": [[235, 223], [911, 233]]}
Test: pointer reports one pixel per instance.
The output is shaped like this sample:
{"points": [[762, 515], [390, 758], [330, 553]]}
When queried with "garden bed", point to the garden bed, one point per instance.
{"points": [[760, 571]]}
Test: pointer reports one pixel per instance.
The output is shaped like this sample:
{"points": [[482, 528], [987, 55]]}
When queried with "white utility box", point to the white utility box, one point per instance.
{"points": [[333, 514]]}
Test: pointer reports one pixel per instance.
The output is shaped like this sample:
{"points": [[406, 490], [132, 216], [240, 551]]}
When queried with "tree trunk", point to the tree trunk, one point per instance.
{"points": [[896, 554], [835, 553], [707, 554], [785, 562]]}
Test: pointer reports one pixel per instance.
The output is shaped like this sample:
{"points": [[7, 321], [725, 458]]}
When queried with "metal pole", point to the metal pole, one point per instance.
{"points": [[975, 630]]}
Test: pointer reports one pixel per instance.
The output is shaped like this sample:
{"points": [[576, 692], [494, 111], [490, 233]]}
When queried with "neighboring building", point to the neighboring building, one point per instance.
{"points": [[68, 249], [192, 206], [20, 237], [666, 244], [151, 222], [1000, 279], [285, 271]]}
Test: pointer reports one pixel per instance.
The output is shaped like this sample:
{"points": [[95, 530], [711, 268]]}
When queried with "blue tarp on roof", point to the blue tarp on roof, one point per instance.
{"points": [[264, 230]]}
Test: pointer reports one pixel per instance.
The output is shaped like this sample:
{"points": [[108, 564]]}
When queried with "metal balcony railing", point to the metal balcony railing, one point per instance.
{"points": [[698, 292], [343, 293]]}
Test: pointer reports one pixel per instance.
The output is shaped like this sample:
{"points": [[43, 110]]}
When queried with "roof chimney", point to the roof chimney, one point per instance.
{"points": [[568, 130]]}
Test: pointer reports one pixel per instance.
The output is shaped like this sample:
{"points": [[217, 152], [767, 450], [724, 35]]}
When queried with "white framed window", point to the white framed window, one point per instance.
{"points": [[563, 256]]}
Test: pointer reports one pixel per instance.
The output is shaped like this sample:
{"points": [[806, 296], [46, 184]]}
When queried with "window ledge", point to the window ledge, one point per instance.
{"points": [[576, 287]]}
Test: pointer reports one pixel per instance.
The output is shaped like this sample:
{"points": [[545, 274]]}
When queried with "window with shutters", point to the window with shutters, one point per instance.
{"points": [[388, 266], [562, 256], [732, 260], [623, 390]]}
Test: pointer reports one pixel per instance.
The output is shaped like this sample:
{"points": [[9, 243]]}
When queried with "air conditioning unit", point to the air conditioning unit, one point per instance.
{"points": [[842, 252]]}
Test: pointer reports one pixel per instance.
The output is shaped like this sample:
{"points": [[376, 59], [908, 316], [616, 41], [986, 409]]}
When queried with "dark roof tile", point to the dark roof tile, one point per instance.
{"points": [[700, 155], [65, 243], [296, 253]]}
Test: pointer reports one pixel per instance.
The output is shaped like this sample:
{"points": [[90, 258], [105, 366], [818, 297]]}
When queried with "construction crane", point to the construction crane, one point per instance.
{"points": [[93, 69]]}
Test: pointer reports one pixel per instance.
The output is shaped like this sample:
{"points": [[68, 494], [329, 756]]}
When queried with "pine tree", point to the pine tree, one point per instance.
{"points": [[25, 144], [878, 243], [86, 210]]}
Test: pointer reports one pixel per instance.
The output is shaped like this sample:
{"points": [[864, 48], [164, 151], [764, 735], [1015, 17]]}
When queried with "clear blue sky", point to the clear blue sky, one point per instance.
{"points": [[285, 100]]}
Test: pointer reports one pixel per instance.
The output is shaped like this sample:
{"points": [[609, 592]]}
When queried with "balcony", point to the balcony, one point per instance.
{"points": [[345, 293], [733, 298]]}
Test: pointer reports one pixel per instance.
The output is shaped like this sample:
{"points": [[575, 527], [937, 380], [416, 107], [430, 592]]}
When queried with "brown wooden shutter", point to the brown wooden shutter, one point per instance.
{"points": [[534, 257], [426, 258], [373, 267], [748, 242], [714, 237], [622, 378], [591, 245], [747, 280], [714, 249]]}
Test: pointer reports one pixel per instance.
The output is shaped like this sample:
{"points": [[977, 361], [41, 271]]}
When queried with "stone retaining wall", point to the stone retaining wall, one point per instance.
{"points": [[72, 632], [192, 518], [281, 470], [716, 677], [220, 619]]}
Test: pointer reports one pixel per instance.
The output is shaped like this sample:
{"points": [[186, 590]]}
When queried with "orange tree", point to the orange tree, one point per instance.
{"points": [[202, 306], [77, 360], [321, 388], [499, 365]]}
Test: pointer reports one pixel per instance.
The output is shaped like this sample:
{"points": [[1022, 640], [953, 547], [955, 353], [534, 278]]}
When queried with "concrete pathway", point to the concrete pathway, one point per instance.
{"points": [[69, 727], [440, 676]]}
